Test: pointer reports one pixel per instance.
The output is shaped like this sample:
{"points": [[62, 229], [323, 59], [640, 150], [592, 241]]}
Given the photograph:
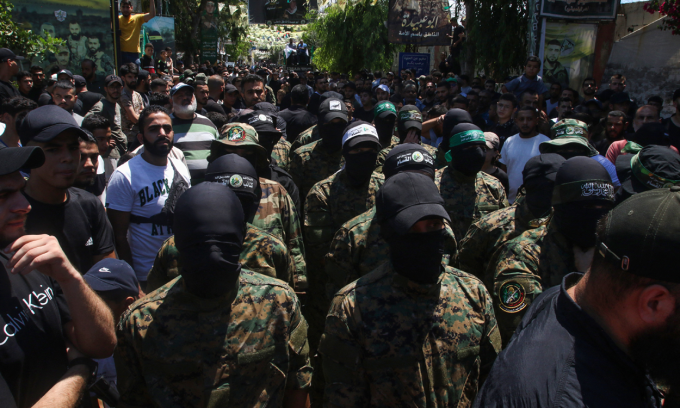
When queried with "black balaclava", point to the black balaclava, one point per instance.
{"points": [[331, 133], [467, 149], [583, 193], [452, 118], [539, 179], [385, 128], [209, 227], [360, 166], [240, 176]]}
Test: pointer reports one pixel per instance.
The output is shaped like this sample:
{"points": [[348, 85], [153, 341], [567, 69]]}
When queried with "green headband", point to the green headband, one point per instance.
{"points": [[646, 177], [631, 148], [469, 136], [384, 107], [584, 190]]}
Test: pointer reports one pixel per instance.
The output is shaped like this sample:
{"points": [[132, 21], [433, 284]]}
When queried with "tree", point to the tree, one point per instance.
{"points": [[21, 41], [353, 37], [669, 8]]}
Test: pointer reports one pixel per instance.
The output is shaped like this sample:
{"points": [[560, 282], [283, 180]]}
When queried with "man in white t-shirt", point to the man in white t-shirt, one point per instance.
{"points": [[138, 190], [518, 149]]}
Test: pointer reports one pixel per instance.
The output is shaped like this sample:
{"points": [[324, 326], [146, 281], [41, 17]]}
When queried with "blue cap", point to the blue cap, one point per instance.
{"points": [[112, 274], [179, 86]]}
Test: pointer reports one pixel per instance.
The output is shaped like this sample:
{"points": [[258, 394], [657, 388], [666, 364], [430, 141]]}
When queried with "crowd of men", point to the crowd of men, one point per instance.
{"points": [[229, 236]]}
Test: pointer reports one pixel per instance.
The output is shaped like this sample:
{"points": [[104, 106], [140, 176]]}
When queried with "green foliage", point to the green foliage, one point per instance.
{"points": [[352, 38], [21, 41], [497, 33]]}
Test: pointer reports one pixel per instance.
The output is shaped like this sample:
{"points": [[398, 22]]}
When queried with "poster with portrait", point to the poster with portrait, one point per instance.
{"points": [[273, 12], [419, 22], [159, 31], [85, 26], [209, 34], [568, 53]]}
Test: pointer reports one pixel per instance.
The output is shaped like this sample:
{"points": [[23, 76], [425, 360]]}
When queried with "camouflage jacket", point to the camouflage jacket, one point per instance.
{"points": [[468, 199], [281, 154], [312, 163], [390, 342], [486, 235], [440, 159], [357, 249], [524, 266], [278, 216], [179, 350], [382, 154], [262, 253], [306, 137]]}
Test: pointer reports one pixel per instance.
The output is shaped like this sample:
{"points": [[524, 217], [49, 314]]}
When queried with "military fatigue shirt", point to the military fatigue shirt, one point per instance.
{"points": [[281, 154], [306, 137], [278, 216], [468, 199], [179, 350], [525, 266], [486, 235], [382, 154], [390, 342], [357, 249], [262, 253], [312, 163]]}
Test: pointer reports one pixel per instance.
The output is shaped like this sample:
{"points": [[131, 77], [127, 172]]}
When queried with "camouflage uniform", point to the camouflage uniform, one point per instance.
{"points": [[312, 163], [357, 249], [523, 267], [485, 236], [467, 199], [308, 136], [440, 157], [179, 350], [278, 216], [382, 154], [281, 154], [390, 342], [262, 253], [331, 203]]}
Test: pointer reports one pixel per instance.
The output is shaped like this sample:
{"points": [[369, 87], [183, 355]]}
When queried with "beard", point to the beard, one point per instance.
{"points": [[658, 350], [156, 149], [187, 109]]}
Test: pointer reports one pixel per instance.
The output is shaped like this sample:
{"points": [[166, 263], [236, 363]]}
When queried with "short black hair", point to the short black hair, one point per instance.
{"points": [[17, 104], [36, 68], [588, 79], [533, 58], [217, 119], [22, 74], [157, 98], [251, 78], [65, 84], [460, 99], [618, 114], [565, 99], [150, 110], [129, 68], [89, 61], [158, 82], [655, 98], [676, 94], [473, 93], [510, 98], [490, 81], [299, 95], [529, 109], [554, 42], [94, 122]]}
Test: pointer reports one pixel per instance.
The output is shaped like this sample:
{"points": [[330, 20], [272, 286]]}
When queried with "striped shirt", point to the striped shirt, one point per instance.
{"points": [[193, 137]]}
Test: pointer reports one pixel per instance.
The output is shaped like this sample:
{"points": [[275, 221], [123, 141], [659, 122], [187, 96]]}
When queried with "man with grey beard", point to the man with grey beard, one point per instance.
{"points": [[193, 132]]}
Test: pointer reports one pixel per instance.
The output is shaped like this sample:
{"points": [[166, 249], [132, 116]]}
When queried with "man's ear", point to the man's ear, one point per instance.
{"points": [[140, 138], [655, 304]]}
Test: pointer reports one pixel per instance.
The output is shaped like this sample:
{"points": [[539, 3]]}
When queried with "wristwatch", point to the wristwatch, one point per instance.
{"points": [[91, 365]]}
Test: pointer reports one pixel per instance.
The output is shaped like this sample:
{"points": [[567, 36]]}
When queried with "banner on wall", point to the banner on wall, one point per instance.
{"points": [[568, 53], [84, 26], [598, 9], [414, 60], [209, 35], [418, 22], [273, 12], [159, 31]]}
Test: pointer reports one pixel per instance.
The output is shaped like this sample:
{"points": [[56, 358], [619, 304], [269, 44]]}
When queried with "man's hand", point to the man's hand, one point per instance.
{"points": [[43, 253], [412, 137], [72, 352]]}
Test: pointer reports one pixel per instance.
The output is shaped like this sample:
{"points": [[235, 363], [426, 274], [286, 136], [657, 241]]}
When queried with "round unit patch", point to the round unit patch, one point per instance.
{"points": [[512, 297], [236, 134], [236, 181], [417, 157]]}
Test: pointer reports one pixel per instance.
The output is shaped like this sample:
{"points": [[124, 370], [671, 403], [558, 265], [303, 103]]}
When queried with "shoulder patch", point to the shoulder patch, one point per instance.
{"points": [[512, 297]]}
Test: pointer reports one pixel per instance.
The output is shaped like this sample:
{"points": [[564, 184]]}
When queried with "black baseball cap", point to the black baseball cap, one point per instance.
{"points": [[6, 53], [641, 235], [543, 166], [652, 167], [229, 88], [79, 81], [46, 123], [406, 198], [66, 72], [12, 159], [111, 79], [651, 134], [410, 117], [359, 132], [235, 172], [582, 179], [261, 121], [331, 109], [110, 275], [331, 95], [408, 156], [452, 118]]}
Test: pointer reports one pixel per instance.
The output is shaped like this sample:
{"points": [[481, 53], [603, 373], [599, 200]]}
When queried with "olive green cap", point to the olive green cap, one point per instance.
{"points": [[239, 135]]}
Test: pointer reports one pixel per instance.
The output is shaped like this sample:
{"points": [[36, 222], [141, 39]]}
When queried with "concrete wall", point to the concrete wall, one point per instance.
{"points": [[632, 17]]}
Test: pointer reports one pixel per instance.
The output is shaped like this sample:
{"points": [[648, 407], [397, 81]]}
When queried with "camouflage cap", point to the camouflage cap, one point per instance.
{"points": [[239, 135], [201, 77], [569, 132]]}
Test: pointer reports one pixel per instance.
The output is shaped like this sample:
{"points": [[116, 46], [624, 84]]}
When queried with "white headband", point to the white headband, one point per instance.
{"points": [[361, 130]]}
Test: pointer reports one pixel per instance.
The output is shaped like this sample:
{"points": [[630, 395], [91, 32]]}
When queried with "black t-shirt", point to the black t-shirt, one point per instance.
{"points": [[80, 224], [673, 132], [32, 349], [213, 106], [161, 67], [275, 85], [88, 100], [7, 90], [298, 119], [456, 31], [148, 62]]}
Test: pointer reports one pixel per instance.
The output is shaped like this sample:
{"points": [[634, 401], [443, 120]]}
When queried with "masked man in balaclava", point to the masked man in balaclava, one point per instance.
{"points": [[541, 257], [450, 120], [312, 134], [319, 160], [530, 211], [218, 334], [468, 192], [357, 247], [411, 330], [384, 120], [262, 251]]}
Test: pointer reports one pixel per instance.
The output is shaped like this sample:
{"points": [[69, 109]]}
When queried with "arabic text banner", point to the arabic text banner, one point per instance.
{"points": [[418, 22], [596, 9]]}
